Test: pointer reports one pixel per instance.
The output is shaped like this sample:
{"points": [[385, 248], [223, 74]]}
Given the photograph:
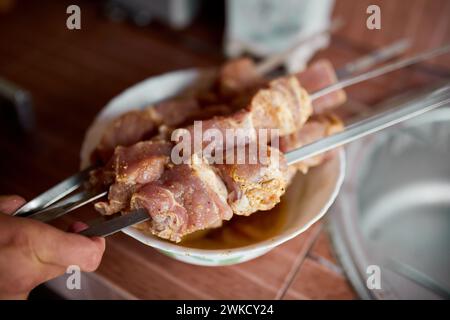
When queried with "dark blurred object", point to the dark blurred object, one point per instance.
{"points": [[16, 108], [177, 14], [42, 292], [6, 5]]}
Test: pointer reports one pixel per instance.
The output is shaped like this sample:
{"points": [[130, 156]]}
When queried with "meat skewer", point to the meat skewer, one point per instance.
{"points": [[317, 128], [185, 198], [383, 54], [177, 202], [283, 105], [234, 78], [177, 217], [138, 125], [254, 178]]}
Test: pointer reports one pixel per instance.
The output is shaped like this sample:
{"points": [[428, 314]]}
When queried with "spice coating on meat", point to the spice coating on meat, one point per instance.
{"points": [[255, 185], [187, 198], [141, 163], [316, 128], [238, 75], [131, 167], [319, 75], [125, 130], [284, 105], [193, 197], [238, 82]]}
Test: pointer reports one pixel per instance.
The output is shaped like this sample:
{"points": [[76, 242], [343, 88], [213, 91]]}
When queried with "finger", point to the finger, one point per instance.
{"points": [[9, 204], [67, 249], [53, 246]]}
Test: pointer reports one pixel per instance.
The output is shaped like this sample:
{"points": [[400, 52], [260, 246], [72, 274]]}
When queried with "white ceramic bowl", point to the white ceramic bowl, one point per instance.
{"points": [[307, 200]]}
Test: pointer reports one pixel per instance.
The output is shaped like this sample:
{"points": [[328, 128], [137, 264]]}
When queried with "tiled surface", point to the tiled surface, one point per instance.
{"points": [[303, 268], [71, 75], [151, 275], [316, 281], [322, 249], [320, 276]]}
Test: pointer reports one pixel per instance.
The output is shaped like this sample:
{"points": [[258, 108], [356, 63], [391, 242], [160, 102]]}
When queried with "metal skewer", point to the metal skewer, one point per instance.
{"points": [[373, 124], [67, 205], [111, 226], [54, 194], [375, 57]]}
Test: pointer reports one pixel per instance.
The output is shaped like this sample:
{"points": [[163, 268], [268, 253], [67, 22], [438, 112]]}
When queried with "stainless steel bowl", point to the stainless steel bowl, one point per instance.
{"points": [[393, 211]]}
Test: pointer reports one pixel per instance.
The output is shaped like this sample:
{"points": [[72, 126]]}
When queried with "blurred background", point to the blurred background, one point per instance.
{"points": [[54, 81]]}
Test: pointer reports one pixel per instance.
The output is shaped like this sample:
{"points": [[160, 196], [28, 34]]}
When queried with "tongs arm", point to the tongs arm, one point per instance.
{"points": [[54, 194], [59, 201]]}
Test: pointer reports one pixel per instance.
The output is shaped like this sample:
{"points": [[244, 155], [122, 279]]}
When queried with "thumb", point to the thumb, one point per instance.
{"points": [[52, 246], [57, 247]]}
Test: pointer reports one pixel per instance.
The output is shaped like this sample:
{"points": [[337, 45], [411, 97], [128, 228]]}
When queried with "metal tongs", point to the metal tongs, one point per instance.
{"points": [[47, 207], [62, 199]]}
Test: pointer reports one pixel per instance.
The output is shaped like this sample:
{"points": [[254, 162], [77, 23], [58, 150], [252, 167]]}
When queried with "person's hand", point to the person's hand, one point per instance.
{"points": [[32, 252]]}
